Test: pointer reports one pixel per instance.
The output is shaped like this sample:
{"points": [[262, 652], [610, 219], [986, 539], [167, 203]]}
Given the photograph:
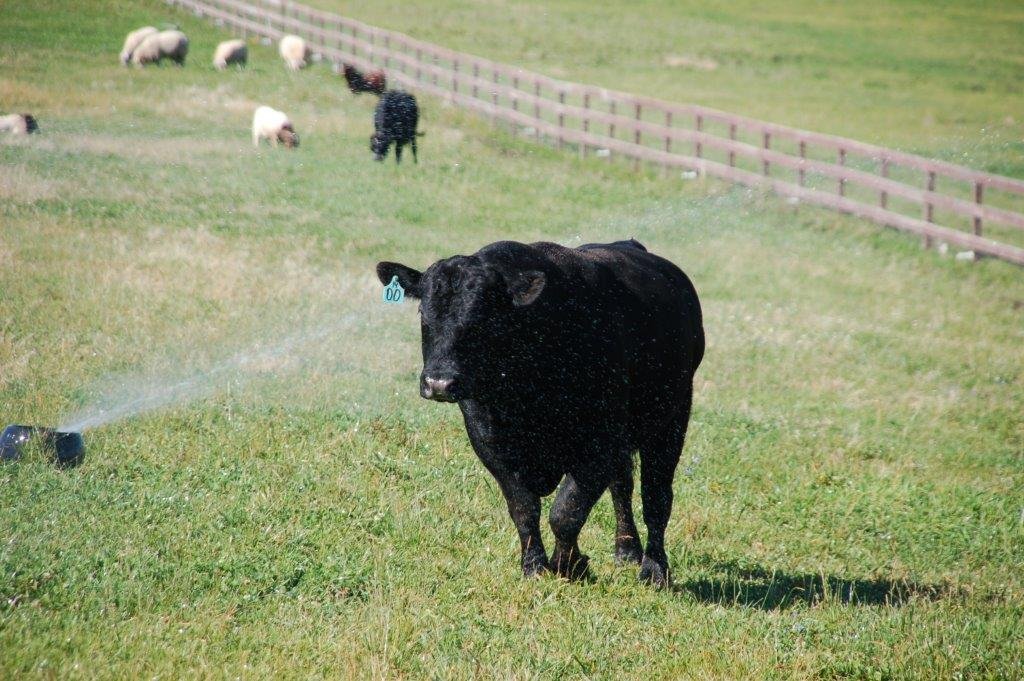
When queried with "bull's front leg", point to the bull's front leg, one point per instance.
{"points": [[575, 498], [524, 508]]}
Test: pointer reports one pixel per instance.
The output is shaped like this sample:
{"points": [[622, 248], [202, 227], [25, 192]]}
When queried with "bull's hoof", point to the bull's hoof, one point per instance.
{"points": [[654, 573], [536, 568], [572, 566], [627, 551]]}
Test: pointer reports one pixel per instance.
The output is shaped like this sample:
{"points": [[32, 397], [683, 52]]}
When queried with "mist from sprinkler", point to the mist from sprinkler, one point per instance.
{"points": [[138, 395]]}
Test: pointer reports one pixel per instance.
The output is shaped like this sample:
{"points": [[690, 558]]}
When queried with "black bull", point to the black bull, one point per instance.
{"points": [[564, 362]]}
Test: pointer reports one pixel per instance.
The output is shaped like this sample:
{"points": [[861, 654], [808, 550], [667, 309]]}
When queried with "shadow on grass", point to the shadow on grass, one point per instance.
{"points": [[755, 587]]}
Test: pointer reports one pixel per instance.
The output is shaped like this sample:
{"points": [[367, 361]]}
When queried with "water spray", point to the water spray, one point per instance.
{"points": [[64, 445]]}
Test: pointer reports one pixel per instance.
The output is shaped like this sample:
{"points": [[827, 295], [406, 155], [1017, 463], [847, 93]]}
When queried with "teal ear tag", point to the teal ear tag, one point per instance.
{"points": [[393, 292]]}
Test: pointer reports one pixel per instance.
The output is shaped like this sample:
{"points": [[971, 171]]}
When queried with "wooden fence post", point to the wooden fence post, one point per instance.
{"points": [[766, 143], [494, 96], [732, 136], [455, 75], [586, 123], [638, 112], [698, 125], [841, 188], [883, 198], [476, 74], [929, 210], [665, 167], [561, 119], [803, 156], [536, 107], [515, 86], [611, 126], [978, 188]]}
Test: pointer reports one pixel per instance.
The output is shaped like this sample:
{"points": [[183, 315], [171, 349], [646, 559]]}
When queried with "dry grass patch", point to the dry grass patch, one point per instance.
{"points": [[21, 185]]}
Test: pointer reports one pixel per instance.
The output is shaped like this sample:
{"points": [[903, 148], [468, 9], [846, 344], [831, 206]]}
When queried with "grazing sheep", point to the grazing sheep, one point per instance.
{"points": [[374, 81], [273, 125], [19, 124], [294, 51], [394, 120], [230, 52], [133, 40], [155, 48]]}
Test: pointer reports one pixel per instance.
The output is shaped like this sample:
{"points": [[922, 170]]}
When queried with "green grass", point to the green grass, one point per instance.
{"points": [[850, 499]]}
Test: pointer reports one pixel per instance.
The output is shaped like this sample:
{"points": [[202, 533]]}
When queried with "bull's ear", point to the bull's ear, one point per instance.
{"points": [[525, 287], [407, 277]]}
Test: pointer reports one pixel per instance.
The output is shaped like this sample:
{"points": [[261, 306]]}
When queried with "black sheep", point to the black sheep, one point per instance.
{"points": [[394, 120]]}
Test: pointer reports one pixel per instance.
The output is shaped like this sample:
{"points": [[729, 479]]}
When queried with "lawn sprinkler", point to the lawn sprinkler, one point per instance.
{"points": [[64, 449]]}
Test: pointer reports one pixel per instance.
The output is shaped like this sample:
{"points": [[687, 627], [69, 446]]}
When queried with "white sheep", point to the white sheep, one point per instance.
{"points": [[154, 48], [230, 52], [133, 40], [273, 125], [18, 124], [294, 51]]}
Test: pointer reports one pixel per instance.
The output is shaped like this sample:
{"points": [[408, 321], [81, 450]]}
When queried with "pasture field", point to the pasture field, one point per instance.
{"points": [[850, 501], [940, 78]]}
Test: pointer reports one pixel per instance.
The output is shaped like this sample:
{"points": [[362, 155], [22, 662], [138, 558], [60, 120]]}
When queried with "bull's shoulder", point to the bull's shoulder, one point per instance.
{"points": [[617, 254], [524, 255], [624, 245]]}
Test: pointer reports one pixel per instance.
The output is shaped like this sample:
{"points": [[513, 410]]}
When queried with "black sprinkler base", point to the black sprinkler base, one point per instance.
{"points": [[66, 450]]}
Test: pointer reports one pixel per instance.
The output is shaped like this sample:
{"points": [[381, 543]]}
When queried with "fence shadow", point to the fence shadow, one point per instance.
{"points": [[756, 587]]}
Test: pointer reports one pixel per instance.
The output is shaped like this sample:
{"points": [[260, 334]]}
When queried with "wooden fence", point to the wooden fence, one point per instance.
{"points": [[939, 201]]}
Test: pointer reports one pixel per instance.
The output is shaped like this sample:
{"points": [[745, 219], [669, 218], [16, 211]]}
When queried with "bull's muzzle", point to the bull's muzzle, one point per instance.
{"points": [[439, 388]]}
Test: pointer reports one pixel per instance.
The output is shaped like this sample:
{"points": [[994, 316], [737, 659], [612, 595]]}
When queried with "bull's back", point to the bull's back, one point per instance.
{"points": [[657, 300], [660, 328]]}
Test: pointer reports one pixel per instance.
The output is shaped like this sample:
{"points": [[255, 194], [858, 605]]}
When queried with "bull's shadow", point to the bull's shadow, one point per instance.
{"points": [[755, 587]]}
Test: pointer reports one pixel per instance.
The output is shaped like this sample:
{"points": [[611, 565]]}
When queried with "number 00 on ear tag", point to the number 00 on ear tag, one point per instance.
{"points": [[393, 292]]}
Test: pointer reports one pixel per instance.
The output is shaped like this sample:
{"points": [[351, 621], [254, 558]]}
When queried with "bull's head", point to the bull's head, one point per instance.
{"points": [[470, 311]]}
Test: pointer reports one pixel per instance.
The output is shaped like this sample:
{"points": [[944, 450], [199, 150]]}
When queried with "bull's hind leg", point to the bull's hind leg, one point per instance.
{"points": [[569, 511], [627, 539], [659, 457]]}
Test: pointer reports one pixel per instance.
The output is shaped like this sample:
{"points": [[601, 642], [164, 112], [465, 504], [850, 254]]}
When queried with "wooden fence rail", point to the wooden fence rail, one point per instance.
{"points": [[825, 170]]}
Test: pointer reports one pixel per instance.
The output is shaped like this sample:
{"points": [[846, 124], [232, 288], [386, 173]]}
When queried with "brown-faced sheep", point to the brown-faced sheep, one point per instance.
{"points": [[294, 51], [374, 81], [133, 40], [18, 124], [230, 52], [155, 48], [273, 125]]}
